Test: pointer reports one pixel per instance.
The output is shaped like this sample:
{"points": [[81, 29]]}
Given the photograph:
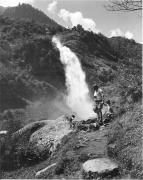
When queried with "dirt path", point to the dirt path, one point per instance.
{"points": [[91, 145], [95, 143]]}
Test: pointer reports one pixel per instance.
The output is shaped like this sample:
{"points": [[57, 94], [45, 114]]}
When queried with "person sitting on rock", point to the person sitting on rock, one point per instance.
{"points": [[98, 101]]}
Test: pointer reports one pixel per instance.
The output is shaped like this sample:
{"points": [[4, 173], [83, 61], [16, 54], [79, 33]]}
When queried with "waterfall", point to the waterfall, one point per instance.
{"points": [[77, 98]]}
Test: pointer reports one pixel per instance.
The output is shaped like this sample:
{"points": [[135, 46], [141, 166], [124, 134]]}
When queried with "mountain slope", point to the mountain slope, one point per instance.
{"points": [[125, 48], [31, 75], [101, 57], [32, 78], [2, 9], [30, 48], [27, 12]]}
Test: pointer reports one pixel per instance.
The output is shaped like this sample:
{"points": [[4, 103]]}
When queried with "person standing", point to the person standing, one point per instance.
{"points": [[98, 102]]}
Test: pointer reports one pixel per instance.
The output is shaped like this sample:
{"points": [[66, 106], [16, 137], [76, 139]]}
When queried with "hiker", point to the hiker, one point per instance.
{"points": [[109, 109], [70, 119], [109, 112], [98, 102]]}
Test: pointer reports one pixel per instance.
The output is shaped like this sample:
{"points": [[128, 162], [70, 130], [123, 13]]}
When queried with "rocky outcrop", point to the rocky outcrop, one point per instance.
{"points": [[32, 127], [100, 167], [45, 140]]}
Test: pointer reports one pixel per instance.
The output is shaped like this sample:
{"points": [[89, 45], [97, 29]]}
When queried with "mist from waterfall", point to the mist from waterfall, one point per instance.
{"points": [[77, 98]]}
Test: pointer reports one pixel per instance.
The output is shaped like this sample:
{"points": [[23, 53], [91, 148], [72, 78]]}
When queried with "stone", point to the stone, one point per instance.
{"points": [[39, 173], [3, 132], [45, 140], [32, 127], [98, 167]]}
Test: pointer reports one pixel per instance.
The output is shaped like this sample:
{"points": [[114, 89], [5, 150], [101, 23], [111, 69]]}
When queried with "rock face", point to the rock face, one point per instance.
{"points": [[45, 140], [99, 167]]}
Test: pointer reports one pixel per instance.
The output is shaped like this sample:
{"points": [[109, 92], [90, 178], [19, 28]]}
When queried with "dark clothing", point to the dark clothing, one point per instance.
{"points": [[98, 105]]}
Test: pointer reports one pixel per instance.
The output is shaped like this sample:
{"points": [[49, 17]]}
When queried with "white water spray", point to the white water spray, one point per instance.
{"points": [[78, 93]]}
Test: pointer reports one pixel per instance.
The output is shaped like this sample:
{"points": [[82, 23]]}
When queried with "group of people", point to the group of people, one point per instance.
{"points": [[99, 102]]}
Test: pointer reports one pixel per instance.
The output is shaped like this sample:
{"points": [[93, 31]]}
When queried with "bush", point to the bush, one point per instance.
{"points": [[106, 76], [12, 120], [10, 153], [11, 156]]}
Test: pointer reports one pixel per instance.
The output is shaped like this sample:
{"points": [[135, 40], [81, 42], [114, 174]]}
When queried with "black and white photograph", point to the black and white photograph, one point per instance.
{"points": [[71, 89]]}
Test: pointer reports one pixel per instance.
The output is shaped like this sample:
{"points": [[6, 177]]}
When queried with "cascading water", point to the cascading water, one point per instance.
{"points": [[78, 93]]}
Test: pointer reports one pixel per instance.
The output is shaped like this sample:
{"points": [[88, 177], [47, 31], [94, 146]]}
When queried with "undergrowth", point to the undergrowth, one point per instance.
{"points": [[124, 141]]}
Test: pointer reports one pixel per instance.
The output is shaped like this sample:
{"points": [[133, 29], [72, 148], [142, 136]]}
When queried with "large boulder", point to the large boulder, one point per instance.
{"points": [[45, 140], [100, 167], [29, 129], [14, 146], [33, 142]]}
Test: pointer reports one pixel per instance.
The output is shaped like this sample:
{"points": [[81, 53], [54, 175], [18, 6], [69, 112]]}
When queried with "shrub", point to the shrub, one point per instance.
{"points": [[11, 156], [12, 120]]}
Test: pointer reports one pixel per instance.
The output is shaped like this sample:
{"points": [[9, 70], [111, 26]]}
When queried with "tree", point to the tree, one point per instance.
{"points": [[124, 5]]}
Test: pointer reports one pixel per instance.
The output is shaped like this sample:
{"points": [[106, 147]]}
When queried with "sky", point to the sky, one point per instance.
{"points": [[91, 14]]}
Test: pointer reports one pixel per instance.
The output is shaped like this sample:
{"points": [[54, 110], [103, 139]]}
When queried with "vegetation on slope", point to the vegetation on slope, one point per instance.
{"points": [[119, 72], [2, 9], [26, 57], [27, 12], [103, 61], [31, 73], [125, 142]]}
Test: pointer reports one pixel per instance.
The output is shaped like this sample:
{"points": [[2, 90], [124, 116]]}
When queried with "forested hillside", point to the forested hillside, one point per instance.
{"points": [[2, 9], [26, 47], [32, 78], [27, 12]]}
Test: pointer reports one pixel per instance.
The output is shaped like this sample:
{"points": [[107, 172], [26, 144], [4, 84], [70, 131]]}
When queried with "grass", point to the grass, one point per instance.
{"points": [[124, 142]]}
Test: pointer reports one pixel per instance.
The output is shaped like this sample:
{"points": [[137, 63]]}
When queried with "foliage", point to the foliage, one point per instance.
{"points": [[43, 60], [124, 5], [106, 76], [124, 141], [20, 29], [126, 49], [12, 153], [27, 12], [97, 44], [2, 9]]}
